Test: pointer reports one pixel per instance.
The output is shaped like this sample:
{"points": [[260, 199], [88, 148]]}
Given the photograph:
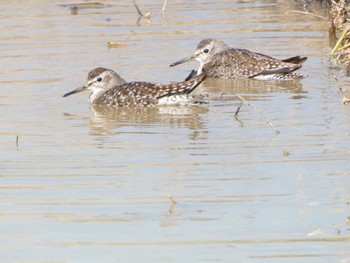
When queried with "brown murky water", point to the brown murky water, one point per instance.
{"points": [[92, 185]]}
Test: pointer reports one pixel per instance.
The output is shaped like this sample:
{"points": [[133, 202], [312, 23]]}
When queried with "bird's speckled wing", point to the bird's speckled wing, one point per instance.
{"points": [[145, 94], [242, 63], [130, 94]]}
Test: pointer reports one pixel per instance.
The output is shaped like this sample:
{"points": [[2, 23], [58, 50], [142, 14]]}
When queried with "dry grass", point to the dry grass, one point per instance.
{"points": [[340, 32], [339, 35]]}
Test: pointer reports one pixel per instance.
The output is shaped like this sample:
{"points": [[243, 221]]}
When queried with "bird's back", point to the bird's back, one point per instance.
{"points": [[241, 63]]}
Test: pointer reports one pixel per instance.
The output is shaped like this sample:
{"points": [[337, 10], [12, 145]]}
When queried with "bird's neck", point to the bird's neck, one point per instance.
{"points": [[95, 95], [200, 69]]}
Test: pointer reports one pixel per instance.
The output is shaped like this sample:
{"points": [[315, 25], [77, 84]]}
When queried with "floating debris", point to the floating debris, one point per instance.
{"points": [[346, 100], [173, 204], [112, 44], [316, 232], [285, 154], [147, 15], [164, 6], [87, 5], [74, 8], [172, 199]]}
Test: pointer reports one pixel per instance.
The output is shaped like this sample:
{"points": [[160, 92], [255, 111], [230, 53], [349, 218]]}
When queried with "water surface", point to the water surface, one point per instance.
{"points": [[81, 184]]}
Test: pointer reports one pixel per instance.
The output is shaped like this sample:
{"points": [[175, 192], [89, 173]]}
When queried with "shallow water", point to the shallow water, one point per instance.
{"points": [[92, 185]]}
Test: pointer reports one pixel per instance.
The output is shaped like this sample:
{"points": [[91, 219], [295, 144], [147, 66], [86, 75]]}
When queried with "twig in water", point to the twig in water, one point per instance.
{"points": [[17, 141], [236, 113], [164, 5], [227, 94], [147, 15], [346, 98], [137, 9], [261, 113], [308, 13], [173, 203], [172, 199], [238, 109]]}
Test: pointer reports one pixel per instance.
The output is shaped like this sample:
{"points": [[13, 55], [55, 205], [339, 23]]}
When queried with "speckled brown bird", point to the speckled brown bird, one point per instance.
{"points": [[108, 88], [219, 60]]}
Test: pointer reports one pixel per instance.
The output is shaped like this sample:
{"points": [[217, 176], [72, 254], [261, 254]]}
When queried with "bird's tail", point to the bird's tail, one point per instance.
{"points": [[295, 60], [182, 88]]}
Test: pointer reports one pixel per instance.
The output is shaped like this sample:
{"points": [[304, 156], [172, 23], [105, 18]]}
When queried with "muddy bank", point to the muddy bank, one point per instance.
{"points": [[337, 12], [339, 35]]}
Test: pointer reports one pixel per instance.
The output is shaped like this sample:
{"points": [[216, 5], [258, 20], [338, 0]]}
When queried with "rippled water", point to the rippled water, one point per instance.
{"points": [[92, 185]]}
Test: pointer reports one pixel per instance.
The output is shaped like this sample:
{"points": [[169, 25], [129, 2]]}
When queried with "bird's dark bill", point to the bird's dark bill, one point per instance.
{"points": [[80, 89], [184, 60]]}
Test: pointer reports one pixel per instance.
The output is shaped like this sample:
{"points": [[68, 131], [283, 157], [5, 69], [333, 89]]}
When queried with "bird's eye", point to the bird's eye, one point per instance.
{"points": [[206, 50], [99, 79]]}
